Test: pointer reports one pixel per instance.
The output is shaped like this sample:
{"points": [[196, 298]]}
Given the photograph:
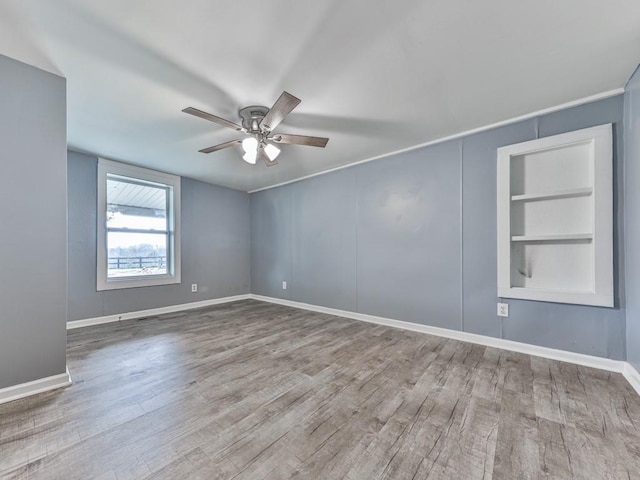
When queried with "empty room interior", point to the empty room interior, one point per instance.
{"points": [[320, 240]]}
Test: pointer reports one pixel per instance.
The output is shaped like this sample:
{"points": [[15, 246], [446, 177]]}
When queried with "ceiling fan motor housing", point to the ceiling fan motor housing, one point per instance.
{"points": [[251, 118]]}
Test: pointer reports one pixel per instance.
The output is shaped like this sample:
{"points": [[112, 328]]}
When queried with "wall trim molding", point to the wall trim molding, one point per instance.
{"points": [[153, 311], [502, 123], [632, 376], [15, 392], [618, 366]]}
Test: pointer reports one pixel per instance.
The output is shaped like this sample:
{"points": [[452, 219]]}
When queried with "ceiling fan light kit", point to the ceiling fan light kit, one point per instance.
{"points": [[259, 122], [250, 147], [250, 157], [272, 151]]}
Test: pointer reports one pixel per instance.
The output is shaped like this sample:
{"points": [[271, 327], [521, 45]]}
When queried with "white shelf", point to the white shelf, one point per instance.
{"points": [[555, 218], [570, 193], [551, 238], [588, 297]]}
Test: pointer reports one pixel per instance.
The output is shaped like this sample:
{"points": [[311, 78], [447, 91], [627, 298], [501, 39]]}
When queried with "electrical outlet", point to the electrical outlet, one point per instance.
{"points": [[194, 287], [284, 285], [503, 309]]}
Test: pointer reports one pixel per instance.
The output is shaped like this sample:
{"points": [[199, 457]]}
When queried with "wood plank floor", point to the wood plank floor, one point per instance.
{"points": [[250, 390]]}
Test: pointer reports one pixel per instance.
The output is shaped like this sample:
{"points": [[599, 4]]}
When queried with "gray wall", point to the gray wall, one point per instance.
{"points": [[413, 237], [215, 247], [632, 225], [33, 244]]}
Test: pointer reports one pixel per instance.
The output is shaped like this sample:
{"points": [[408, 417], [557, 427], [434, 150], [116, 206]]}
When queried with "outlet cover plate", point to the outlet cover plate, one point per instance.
{"points": [[503, 309]]}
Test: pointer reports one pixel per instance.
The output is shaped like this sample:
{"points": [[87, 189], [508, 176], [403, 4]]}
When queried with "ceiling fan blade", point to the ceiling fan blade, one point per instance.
{"points": [[265, 157], [215, 148], [283, 106], [212, 118], [300, 140]]}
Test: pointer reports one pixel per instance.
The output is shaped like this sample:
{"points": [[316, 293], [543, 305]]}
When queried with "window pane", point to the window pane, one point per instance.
{"points": [[136, 254], [119, 220], [135, 205]]}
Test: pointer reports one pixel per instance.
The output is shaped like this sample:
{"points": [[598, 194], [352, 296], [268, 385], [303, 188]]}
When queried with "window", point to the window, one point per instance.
{"points": [[138, 227]]}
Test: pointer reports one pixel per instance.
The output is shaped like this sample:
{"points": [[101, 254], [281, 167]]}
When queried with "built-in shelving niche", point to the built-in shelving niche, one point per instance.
{"points": [[555, 218]]}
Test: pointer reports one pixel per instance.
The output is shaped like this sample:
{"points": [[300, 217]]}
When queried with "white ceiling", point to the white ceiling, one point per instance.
{"points": [[375, 76]]}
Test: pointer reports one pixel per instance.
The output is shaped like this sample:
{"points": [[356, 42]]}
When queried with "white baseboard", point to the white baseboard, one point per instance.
{"points": [[632, 376], [153, 311], [34, 387], [600, 363], [553, 354]]}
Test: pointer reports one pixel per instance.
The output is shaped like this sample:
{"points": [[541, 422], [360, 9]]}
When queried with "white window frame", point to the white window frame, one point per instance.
{"points": [[109, 167]]}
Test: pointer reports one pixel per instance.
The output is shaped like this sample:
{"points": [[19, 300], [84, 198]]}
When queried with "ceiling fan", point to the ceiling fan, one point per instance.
{"points": [[258, 123]]}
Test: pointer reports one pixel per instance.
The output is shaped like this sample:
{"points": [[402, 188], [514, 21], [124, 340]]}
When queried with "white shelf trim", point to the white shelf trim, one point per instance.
{"points": [[549, 290], [552, 238], [571, 193]]}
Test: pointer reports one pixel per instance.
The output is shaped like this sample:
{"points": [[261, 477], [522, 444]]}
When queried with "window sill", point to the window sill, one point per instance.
{"points": [[118, 284]]}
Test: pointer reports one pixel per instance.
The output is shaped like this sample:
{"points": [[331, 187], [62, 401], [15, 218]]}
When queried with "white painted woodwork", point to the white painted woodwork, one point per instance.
{"points": [[555, 218], [106, 167]]}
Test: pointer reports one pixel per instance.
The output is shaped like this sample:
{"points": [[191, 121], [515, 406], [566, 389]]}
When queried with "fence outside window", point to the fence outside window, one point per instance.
{"points": [[119, 263]]}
